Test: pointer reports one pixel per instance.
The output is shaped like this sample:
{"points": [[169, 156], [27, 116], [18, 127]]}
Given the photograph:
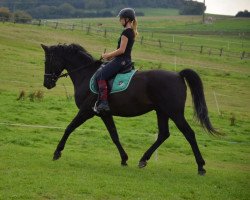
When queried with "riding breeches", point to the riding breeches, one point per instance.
{"points": [[112, 68]]}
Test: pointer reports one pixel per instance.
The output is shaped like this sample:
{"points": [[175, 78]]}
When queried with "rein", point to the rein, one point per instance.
{"points": [[67, 74], [75, 70], [54, 77]]}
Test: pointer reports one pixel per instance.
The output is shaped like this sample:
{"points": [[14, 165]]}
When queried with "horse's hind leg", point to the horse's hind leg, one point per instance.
{"points": [[162, 136], [189, 134]]}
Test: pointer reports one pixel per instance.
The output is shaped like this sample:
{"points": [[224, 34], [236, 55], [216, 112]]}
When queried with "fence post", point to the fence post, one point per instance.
{"points": [[209, 52], [73, 27], [181, 46], [88, 29], [105, 33], [141, 40], [56, 25], [217, 105], [221, 51], [201, 49], [175, 63], [39, 22], [160, 43], [243, 55]]}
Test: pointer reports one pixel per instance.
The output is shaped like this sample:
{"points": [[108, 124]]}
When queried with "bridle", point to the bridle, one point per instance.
{"points": [[53, 77]]}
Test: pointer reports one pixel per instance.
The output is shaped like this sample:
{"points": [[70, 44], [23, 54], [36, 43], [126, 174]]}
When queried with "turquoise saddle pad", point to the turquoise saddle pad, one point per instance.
{"points": [[121, 82]]}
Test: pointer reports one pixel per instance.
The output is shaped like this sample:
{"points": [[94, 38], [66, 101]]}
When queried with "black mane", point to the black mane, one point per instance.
{"points": [[71, 49]]}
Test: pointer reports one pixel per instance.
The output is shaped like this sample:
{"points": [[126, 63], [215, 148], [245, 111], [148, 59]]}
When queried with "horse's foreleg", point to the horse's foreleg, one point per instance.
{"points": [[162, 136], [79, 119], [109, 122]]}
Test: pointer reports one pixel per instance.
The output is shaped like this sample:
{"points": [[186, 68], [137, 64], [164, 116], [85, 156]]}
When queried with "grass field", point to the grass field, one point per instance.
{"points": [[90, 165]]}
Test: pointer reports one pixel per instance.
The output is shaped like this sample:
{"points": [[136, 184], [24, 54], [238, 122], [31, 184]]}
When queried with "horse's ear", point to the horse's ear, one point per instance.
{"points": [[45, 48]]}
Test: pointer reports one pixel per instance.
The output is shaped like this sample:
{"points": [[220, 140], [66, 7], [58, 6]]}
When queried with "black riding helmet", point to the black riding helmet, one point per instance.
{"points": [[127, 13]]}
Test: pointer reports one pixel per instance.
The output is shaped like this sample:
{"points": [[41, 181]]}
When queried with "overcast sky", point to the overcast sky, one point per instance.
{"points": [[226, 7]]}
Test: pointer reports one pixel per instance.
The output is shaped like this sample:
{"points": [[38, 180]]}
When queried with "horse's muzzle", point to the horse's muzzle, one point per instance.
{"points": [[49, 81]]}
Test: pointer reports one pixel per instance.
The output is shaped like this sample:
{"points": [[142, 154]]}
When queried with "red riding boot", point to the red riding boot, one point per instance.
{"points": [[103, 97]]}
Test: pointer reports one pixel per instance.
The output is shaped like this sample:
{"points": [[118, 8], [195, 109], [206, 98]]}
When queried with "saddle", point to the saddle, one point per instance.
{"points": [[118, 83], [127, 68]]}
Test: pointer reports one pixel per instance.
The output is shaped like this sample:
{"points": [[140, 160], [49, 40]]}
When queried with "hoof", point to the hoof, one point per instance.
{"points": [[57, 155], [124, 160], [202, 172], [124, 163], [142, 164]]}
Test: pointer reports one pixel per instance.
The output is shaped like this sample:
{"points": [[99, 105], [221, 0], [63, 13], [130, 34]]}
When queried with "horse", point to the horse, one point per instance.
{"points": [[153, 90]]}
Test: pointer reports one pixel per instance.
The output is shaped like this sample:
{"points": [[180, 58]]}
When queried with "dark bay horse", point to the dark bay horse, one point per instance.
{"points": [[159, 90]]}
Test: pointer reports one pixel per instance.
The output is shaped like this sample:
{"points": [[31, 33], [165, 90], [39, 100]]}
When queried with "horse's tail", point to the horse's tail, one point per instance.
{"points": [[198, 97]]}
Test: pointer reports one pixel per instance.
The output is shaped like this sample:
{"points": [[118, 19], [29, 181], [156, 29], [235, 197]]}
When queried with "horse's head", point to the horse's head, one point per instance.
{"points": [[53, 66], [60, 57]]}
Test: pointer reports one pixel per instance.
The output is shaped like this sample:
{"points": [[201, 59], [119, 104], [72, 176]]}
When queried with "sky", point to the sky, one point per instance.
{"points": [[226, 7]]}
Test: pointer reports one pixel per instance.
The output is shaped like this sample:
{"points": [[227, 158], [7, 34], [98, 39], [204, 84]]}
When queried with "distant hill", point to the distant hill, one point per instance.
{"points": [[83, 8]]}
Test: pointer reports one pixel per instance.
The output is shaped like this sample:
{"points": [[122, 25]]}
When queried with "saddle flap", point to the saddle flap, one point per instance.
{"points": [[117, 84]]}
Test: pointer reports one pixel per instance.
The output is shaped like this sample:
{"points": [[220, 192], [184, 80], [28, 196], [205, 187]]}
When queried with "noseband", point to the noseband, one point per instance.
{"points": [[53, 77]]}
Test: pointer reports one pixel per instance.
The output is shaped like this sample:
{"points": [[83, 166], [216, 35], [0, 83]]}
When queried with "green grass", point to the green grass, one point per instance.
{"points": [[158, 11], [177, 24], [90, 164], [90, 169]]}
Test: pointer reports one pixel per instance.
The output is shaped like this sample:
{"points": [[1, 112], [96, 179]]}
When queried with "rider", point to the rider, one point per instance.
{"points": [[120, 57]]}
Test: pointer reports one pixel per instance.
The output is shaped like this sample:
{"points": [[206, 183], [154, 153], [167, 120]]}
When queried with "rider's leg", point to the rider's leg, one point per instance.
{"points": [[103, 96], [105, 73]]}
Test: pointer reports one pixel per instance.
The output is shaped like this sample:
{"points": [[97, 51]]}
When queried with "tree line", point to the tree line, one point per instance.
{"points": [[246, 13], [95, 8], [18, 16]]}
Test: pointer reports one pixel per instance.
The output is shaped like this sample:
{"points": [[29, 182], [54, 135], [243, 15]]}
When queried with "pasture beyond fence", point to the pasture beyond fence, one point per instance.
{"points": [[143, 40], [147, 38]]}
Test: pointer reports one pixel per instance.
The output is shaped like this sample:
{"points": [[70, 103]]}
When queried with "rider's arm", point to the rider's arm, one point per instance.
{"points": [[119, 51]]}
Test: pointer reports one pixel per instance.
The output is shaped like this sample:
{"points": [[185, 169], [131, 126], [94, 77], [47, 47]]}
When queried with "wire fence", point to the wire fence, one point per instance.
{"points": [[170, 44]]}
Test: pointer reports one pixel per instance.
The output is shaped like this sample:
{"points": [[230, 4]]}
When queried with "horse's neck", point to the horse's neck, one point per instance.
{"points": [[81, 77]]}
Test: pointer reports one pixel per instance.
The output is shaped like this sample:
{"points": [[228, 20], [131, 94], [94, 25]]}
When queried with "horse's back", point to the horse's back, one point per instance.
{"points": [[161, 81], [150, 90], [167, 90]]}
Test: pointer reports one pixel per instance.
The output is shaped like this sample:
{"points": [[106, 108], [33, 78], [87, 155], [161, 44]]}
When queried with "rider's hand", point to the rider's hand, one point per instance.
{"points": [[105, 56]]}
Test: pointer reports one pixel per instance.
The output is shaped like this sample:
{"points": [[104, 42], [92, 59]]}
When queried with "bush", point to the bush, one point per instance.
{"points": [[22, 17], [5, 14], [192, 8], [243, 14], [21, 95]]}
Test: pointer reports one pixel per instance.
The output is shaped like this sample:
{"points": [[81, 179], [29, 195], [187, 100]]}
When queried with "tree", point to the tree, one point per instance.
{"points": [[66, 10], [22, 17], [95, 4], [81, 8], [243, 14], [5, 14], [192, 8]]}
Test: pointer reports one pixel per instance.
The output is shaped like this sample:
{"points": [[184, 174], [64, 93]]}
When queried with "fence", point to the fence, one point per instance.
{"points": [[170, 44]]}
